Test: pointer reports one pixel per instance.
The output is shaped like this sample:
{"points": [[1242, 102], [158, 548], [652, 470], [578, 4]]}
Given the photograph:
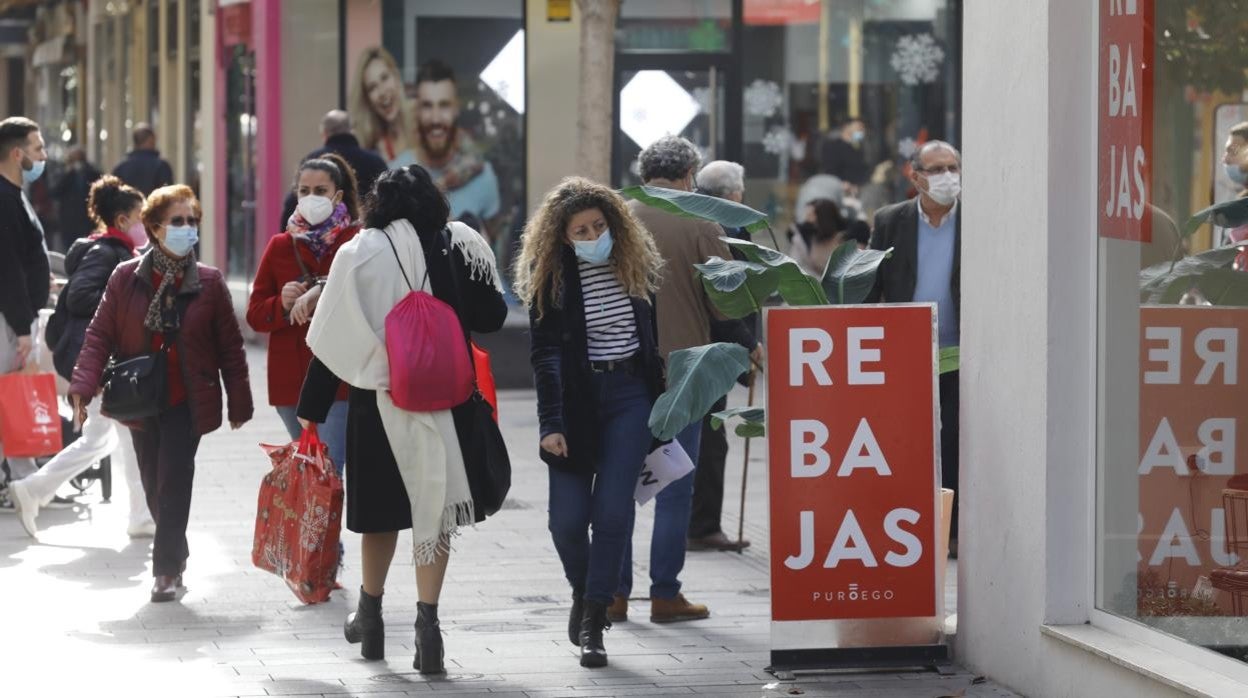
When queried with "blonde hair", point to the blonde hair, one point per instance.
{"points": [[368, 125], [159, 202], [633, 254]]}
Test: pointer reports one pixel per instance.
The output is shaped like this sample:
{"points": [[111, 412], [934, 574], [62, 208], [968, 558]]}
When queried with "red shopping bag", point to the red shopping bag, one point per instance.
{"points": [[30, 425], [485, 377], [299, 518]]}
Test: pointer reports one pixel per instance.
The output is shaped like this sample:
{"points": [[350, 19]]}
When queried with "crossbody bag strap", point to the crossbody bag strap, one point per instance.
{"points": [[294, 243], [446, 240], [402, 271]]}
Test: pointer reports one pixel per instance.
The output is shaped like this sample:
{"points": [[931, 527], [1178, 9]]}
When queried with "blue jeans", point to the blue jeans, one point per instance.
{"points": [[672, 507], [333, 431], [602, 500]]}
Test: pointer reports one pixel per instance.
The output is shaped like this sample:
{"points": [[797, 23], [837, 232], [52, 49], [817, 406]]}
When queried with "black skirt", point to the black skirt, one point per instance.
{"points": [[376, 497]]}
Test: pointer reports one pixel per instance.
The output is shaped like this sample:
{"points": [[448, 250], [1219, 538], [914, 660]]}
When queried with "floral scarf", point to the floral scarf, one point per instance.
{"points": [[319, 238]]}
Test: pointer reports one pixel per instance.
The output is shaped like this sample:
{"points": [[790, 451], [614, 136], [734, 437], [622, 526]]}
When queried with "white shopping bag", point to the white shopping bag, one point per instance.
{"points": [[665, 465]]}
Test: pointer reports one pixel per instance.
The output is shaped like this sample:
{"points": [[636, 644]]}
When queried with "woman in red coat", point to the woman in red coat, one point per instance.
{"points": [[288, 286], [166, 301]]}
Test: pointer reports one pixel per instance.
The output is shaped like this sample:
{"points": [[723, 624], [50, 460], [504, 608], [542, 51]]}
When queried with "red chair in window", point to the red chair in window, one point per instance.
{"points": [[1234, 580]]}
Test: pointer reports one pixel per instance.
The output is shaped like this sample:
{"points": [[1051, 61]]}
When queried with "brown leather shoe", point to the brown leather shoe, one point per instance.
{"points": [[165, 587], [677, 609], [716, 541], [617, 612]]}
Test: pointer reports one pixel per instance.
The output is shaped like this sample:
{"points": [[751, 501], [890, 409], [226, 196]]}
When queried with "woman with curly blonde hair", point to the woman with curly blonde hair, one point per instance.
{"points": [[588, 271]]}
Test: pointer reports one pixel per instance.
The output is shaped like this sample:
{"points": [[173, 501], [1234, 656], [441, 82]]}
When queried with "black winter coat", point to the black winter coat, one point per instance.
{"points": [[88, 264], [560, 356], [144, 170]]}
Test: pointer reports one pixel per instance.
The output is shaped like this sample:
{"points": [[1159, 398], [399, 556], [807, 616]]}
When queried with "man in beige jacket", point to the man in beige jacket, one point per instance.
{"points": [[684, 314]]}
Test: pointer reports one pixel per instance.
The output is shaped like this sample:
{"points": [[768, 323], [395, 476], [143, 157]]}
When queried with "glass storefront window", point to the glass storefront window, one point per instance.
{"points": [[1172, 470], [674, 25]]}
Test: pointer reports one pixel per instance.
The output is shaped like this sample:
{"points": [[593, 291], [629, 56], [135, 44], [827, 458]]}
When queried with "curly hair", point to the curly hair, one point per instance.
{"points": [[342, 175], [407, 193], [634, 255], [108, 198], [157, 205], [670, 157]]}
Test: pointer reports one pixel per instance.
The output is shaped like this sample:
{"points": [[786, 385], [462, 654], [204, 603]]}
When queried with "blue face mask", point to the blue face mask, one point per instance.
{"points": [[180, 239], [594, 251], [1237, 175], [35, 171]]}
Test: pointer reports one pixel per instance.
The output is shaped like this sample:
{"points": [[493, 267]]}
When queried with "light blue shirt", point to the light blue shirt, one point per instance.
{"points": [[479, 195], [934, 282]]}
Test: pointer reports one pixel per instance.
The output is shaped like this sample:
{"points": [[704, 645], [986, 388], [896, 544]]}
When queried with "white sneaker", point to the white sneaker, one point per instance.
{"points": [[27, 508], [143, 529]]}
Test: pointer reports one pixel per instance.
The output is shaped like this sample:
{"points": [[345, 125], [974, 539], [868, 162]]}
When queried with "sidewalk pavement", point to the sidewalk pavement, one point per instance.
{"points": [[76, 620]]}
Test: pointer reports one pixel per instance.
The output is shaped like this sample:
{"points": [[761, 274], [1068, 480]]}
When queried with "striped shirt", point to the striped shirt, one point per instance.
{"points": [[610, 327]]}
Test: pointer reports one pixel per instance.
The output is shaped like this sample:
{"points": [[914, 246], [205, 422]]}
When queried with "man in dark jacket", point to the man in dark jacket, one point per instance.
{"points": [[925, 234], [336, 131], [70, 192], [24, 276], [143, 167]]}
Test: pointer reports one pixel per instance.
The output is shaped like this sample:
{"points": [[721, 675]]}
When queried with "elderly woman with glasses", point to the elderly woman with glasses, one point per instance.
{"points": [[166, 302]]}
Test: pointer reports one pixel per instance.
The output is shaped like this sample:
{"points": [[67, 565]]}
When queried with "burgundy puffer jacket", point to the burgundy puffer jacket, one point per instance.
{"points": [[209, 343]]}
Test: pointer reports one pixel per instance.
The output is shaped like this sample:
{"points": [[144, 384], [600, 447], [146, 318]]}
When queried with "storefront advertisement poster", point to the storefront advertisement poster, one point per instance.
{"points": [[1192, 363], [853, 462], [1125, 119]]}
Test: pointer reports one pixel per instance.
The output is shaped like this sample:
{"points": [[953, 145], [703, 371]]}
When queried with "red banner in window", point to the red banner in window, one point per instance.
{"points": [[1125, 119], [781, 12]]}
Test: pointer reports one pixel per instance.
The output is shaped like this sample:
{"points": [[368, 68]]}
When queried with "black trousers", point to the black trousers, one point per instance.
{"points": [[165, 448], [949, 442], [708, 479]]}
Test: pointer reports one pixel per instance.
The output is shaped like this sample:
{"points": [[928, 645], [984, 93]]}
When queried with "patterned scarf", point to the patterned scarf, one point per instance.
{"points": [[319, 238], [161, 316]]}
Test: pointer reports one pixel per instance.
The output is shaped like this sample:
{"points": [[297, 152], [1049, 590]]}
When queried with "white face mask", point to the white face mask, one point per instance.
{"points": [[944, 188], [315, 209]]}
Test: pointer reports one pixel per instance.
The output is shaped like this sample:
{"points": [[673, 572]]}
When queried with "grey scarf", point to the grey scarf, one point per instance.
{"points": [[161, 316]]}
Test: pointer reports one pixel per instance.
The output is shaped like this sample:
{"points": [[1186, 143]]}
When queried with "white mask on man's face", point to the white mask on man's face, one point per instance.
{"points": [[944, 188]]}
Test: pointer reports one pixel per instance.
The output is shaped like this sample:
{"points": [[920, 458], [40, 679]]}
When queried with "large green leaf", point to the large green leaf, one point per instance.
{"points": [[696, 378], [850, 273], [1228, 214], [753, 420], [1224, 287], [796, 286], [1156, 279], [737, 288], [693, 205]]}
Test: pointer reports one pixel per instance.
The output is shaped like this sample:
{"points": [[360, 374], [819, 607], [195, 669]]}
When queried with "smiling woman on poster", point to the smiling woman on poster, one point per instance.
{"points": [[380, 110]]}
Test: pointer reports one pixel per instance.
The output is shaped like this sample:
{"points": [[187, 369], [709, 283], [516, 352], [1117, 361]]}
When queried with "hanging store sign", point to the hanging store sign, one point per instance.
{"points": [[1125, 119], [854, 475]]}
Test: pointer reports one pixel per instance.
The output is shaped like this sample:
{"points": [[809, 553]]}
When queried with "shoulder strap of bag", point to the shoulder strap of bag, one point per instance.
{"points": [[446, 240], [294, 243], [402, 271]]}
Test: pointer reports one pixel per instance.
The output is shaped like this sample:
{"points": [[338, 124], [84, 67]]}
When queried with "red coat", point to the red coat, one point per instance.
{"points": [[289, 355], [209, 343]]}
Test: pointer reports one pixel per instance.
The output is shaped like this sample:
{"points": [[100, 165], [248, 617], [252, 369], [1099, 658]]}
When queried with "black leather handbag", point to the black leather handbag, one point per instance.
{"points": [[136, 388], [486, 462]]}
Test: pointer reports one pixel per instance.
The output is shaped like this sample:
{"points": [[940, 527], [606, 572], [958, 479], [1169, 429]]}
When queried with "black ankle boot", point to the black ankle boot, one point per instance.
{"points": [[574, 618], [593, 654], [366, 627], [429, 650]]}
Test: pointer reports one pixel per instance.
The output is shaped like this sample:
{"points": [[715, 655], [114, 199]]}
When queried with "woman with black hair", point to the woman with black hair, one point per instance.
{"points": [[405, 469], [288, 283]]}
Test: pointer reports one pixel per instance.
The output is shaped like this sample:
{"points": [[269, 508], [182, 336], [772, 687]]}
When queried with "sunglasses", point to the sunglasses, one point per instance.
{"points": [[179, 221]]}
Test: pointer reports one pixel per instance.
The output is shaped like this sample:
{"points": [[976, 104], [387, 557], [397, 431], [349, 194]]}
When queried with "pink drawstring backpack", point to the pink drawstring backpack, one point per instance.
{"points": [[430, 369]]}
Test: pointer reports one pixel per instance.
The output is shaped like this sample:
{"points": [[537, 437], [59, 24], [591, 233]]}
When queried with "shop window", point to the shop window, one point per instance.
{"points": [[1172, 471], [441, 83], [675, 25], [839, 94]]}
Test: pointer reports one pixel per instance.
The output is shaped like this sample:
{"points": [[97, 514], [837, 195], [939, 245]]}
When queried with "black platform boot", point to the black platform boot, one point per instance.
{"points": [[366, 627], [429, 650], [574, 618], [593, 654]]}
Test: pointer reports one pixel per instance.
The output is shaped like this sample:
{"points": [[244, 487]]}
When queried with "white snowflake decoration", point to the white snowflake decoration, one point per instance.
{"points": [[763, 98], [907, 147], [777, 140], [313, 527], [917, 59]]}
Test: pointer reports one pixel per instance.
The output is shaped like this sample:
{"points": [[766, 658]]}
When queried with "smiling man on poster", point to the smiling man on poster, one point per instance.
{"points": [[447, 151]]}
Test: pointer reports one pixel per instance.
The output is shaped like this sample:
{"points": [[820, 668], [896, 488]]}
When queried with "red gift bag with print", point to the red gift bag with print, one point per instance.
{"points": [[299, 518], [30, 425]]}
